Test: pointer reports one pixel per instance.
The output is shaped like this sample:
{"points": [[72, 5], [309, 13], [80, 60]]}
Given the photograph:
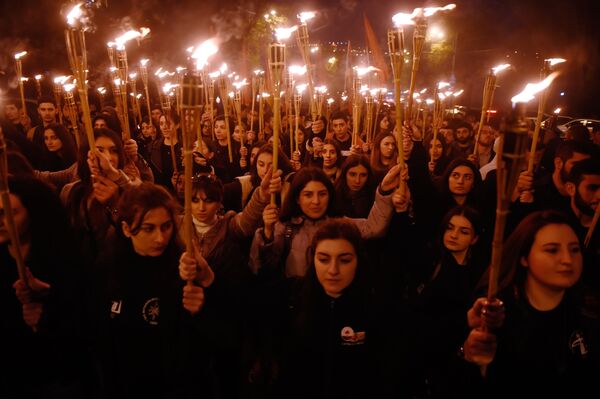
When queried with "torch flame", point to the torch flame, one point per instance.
{"points": [[429, 101], [409, 19], [301, 88], [442, 85], [20, 55], [554, 61], [404, 19], [306, 16], [321, 89], [223, 69], [258, 72], [74, 15], [441, 96], [69, 87], [38, 77], [168, 87], [297, 69], [284, 33], [214, 75], [24, 79], [363, 71], [133, 75], [429, 11], [240, 83], [500, 68], [101, 90], [144, 62], [458, 93], [207, 49], [60, 79], [423, 91], [180, 69], [130, 35], [330, 101], [531, 89], [557, 111]]}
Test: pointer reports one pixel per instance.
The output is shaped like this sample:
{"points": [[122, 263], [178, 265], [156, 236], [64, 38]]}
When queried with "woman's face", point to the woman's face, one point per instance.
{"points": [[263, 163], [356, 177], [53, 143], [384, 124], [555, 261], [459, 234], [204, 209], [237, 132], [435, 149], [335, 265], [387, 147], [299, 136], [313, 199], [154, 233], [253, 153], [329, 156], [167, 127], [220, 130], [108, 147], [461, 180], [20, 217]]}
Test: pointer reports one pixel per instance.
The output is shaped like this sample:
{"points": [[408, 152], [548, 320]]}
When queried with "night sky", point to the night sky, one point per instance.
{"points": [[487, 32]]}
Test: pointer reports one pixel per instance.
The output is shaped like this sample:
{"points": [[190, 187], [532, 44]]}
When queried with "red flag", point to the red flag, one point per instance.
{"points": [[378, 57]]}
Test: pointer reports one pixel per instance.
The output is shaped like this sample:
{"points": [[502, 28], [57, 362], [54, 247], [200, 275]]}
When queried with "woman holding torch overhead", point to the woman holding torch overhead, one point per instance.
{"points": [[222, 239]]}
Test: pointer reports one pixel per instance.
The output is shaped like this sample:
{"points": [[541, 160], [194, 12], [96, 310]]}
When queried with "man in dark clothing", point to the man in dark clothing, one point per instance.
{"points": [[17, 116], [462, 146], [47, 111], [583, 188], [340, 127]]}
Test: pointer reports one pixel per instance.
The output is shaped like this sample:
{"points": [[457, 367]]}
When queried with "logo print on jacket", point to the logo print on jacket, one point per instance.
{"points": [[151, 311]]}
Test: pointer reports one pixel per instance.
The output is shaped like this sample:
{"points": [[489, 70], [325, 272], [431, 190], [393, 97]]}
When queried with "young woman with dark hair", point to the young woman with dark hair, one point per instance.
{"points": [[59, 151], [223, 240], [446, 293], [545, 341], [239, 191], [384, 154], [327, 342], [280, 246], [161, 159], [436, 153], [355, 188], [91, 200], [148, 322]]}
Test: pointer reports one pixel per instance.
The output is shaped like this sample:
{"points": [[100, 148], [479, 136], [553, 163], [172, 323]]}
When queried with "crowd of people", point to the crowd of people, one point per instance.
{"points": [[361, 279]]}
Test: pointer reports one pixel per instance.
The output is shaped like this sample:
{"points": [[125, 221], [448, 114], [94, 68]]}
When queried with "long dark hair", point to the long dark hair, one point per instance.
{"points": [[341, 184], [443, 161], [470, 214], [474, 194], [290, 206], [518, 245], [283, 163], [135, 202], [376, 164], [68, 152], [311, 289]]}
